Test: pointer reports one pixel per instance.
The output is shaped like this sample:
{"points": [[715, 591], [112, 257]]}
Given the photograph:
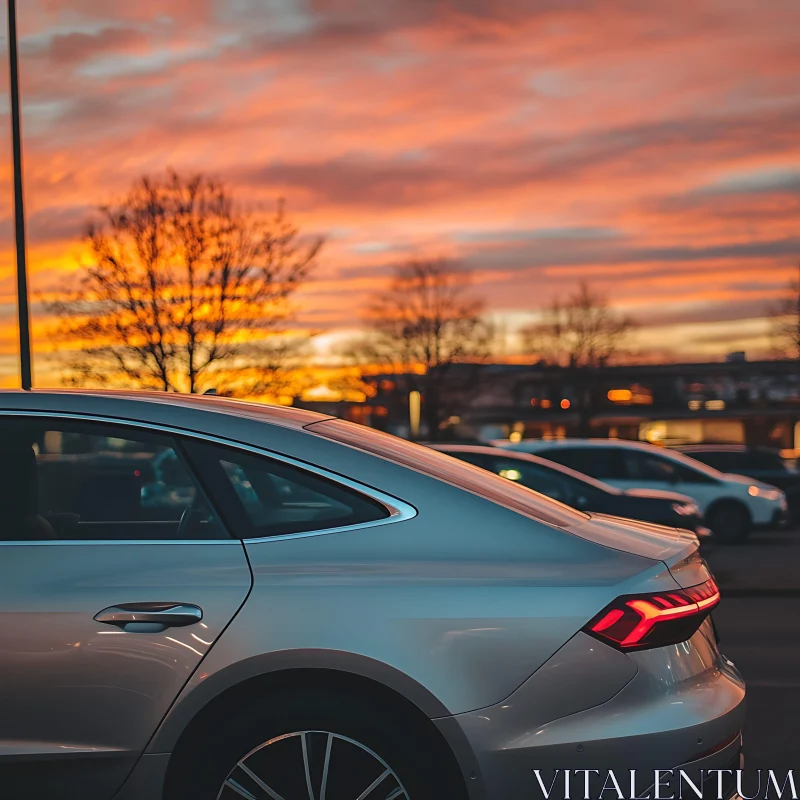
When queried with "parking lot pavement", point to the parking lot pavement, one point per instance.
{"points": [[759, 626], [767, 564], [761, 635]]}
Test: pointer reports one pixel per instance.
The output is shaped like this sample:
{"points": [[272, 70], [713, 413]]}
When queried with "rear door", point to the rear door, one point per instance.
{"points": [[116, 577]]}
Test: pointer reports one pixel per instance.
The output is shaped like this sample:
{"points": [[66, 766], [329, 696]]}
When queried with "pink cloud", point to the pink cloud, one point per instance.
{"points": [[475, 129]]}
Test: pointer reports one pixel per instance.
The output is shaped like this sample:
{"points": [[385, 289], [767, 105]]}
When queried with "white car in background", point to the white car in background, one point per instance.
{"points": [[732, 505]]}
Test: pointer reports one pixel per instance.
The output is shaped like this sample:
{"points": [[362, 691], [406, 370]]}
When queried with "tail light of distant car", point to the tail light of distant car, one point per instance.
{"points": [[641, 621]]}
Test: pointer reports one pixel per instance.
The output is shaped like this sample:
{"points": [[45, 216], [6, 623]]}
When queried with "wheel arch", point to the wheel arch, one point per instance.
{"points": [[206, 689], [399, 693], [728, 500]]}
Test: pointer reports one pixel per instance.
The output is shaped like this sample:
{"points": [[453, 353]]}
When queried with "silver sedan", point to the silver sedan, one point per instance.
{"points": [[207, 599]]}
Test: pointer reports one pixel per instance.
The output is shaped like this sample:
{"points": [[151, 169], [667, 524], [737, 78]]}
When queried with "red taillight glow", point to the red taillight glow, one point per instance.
{"points": [[635, 622]]}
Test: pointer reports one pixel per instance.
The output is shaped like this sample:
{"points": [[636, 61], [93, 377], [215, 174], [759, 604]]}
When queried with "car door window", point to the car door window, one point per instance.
{"points": [[479, 460], [68, 480], [263, 497], [687, 474], [545, 481], [732, 462], [649, 468], [599, 462]]}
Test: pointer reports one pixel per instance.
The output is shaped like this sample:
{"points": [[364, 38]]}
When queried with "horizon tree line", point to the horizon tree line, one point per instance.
{"points": [[183, 290]]}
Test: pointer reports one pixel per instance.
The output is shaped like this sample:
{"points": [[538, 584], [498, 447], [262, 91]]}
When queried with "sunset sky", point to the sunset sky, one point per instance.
{"points": [[650, 148]]}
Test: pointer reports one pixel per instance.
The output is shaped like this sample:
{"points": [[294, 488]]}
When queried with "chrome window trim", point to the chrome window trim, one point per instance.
{"points": [[399, 510]]}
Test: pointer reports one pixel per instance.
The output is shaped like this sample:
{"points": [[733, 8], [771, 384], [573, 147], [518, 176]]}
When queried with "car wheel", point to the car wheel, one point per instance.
{"points": [[730, 523], [317, 745]]}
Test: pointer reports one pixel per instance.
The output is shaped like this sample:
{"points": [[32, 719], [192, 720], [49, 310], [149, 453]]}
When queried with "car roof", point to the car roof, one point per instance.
{"points": [[144, 406]]}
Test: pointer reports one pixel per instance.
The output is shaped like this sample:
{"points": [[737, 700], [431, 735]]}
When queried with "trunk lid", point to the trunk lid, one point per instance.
{"points": [[658, 542]]}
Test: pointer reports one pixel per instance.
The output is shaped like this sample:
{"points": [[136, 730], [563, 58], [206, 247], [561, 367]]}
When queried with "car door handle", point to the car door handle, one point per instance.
{"points": [[168, 615]]}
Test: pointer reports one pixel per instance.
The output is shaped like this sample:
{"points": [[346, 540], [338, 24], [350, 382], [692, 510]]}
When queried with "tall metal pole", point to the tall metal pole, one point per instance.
{"points": [[23, 310]]}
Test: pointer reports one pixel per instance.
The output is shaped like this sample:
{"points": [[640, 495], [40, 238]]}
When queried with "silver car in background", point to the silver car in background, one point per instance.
{"points": [[207, 599]]}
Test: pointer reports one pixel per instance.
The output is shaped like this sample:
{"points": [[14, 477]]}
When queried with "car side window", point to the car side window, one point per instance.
{"points": [[649, 467], [734, 462], [262, 497], [604, 463], [70, 480], [688, 475], [479, 460], [544, 481]]}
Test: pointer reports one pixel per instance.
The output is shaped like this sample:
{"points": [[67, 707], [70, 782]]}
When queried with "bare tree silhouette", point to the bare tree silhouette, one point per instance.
{"points": [[582, 334], [183, 290], [581, 331], [425, 323], [785, 313]]}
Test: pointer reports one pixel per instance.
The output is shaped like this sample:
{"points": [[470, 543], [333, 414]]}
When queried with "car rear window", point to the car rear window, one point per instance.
{"points": [[767, 460], [739, 460], [451, 470], [262, 497]]}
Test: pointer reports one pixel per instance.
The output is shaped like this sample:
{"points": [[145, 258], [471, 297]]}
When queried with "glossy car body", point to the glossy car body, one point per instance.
{"points": [[763, 464], [732, 505], [581, 491], [464, 603]]}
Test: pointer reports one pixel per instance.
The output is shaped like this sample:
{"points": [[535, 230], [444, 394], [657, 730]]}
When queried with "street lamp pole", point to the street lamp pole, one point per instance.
{"points": [[23, 310]]}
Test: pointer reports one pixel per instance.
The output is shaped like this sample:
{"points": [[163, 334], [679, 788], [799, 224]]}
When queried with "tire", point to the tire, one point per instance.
{"points": [[730, 522], [282, 732]]}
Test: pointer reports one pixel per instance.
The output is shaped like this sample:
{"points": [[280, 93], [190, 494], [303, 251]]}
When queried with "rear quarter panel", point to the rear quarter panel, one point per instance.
{"points": [[459, 605]]}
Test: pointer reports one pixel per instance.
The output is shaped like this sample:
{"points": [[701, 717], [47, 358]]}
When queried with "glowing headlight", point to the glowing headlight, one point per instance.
{"points": [[766, 494], [511, 474], [686, 509]]}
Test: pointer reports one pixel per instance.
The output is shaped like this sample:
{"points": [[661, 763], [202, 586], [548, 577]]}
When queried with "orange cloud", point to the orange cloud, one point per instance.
{"points": [[652, 149]]}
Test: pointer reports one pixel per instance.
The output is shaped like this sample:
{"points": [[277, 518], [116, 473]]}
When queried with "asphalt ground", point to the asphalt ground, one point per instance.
{"points": [[759, 626]]}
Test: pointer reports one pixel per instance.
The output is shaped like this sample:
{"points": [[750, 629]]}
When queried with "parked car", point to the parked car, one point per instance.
{"points": [[581, 491], [732, 505], [321, 610], [761, 463]]}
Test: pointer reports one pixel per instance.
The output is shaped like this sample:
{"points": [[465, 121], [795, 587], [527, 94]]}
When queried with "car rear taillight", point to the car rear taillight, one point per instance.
{"points": [[639, 621]]}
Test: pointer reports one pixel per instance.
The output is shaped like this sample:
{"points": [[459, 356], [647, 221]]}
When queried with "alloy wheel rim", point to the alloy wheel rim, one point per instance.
{"points": [[312, 765]]}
